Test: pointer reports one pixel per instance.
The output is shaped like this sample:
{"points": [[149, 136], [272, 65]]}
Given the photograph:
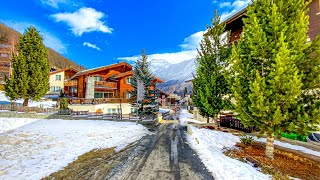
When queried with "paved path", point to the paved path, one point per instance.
{"points": [[163, 155]]}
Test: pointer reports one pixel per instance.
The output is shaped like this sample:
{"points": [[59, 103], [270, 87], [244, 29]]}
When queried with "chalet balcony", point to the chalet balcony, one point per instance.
{"points": [[105, 85], [71, 83]]}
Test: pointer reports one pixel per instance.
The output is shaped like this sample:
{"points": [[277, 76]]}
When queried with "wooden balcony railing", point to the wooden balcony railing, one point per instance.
{"points": [[71, 83], [97, 100], [107, 85]]}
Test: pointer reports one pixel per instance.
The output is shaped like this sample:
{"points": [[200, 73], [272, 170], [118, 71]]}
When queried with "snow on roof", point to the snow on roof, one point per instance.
{"points": [[234, 14]]}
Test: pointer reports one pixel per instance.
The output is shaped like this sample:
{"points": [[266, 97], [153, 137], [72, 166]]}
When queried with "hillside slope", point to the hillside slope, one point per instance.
{"points": [[55, 59], [174, 75]]}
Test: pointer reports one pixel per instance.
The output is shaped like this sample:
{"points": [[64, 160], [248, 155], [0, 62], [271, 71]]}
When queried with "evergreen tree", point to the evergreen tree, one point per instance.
{"points": [[211, 85], [270, 80], [30, 69], [142, 73], [185, 92]]}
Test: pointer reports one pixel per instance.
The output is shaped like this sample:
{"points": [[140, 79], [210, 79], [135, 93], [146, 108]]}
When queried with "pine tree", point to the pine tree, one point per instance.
{"points": [[269, 81], [142, 73], [211, 85], [30, 69], [185, 92]]}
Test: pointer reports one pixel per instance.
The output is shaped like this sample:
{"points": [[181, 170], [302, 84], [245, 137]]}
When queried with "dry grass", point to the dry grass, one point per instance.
{"points": [[286, 163], [92, 165]]}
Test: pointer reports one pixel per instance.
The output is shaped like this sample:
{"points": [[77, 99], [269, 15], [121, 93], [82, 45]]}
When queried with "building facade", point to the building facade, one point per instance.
{"points": [[58, 81], [112, 81], [234, 23]]}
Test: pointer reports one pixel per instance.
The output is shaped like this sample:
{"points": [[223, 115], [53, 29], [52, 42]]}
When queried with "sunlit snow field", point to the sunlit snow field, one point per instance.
{"points": [[35, 148]]}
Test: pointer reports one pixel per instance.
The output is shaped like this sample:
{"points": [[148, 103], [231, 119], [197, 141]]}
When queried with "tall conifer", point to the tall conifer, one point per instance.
{"points": [[270, 80], [142, 72], [30, 69], [211, 86]]}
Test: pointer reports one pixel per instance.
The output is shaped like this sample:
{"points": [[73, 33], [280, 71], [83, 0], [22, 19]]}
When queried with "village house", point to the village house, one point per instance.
{"points": [[234, 23], [58, 82], [105, 89]]}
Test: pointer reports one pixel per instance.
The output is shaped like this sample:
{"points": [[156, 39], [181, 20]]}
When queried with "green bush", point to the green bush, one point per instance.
{"points": [[63, 103], [247, 140], [294, 136]]}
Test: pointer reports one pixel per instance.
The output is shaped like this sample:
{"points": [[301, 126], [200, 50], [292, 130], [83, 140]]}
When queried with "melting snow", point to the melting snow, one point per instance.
{"points": [[45, 104], [209, 145], [40, 147]]}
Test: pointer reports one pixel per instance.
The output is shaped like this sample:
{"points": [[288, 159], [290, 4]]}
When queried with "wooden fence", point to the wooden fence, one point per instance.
{"points": [[234, 123], [20, 108]]}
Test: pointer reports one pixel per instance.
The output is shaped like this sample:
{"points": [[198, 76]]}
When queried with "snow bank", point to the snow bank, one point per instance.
{"points": [[186, 117], [209, 145], [7, 124], [46, 146], [45, 104], [290, 146], [161, 110]]}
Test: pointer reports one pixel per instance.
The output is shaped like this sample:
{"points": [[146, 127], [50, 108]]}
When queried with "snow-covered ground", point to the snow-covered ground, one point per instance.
{"points": [[162, 110], [7, 124], [45, 103], [290, 146], [39, 148], [209, 146], [186, 117]]}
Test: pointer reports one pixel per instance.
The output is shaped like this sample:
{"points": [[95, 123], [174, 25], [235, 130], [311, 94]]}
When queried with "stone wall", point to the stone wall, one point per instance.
{"points": [[90, 87]]}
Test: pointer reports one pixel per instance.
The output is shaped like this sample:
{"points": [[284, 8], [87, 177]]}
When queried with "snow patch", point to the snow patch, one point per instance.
{"points": [[42, 147], [290, 146], [186, 117], [13, 123], [210, 144], [45, 103]]}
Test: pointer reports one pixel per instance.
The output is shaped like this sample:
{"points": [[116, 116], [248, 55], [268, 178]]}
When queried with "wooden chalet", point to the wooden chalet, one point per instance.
{"points": [[58, 80], [234, 23], [107, 82]]}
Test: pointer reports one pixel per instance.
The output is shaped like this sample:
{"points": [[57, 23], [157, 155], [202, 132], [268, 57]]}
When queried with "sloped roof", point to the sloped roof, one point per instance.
{"points": [[87, 71], [62, 70]]}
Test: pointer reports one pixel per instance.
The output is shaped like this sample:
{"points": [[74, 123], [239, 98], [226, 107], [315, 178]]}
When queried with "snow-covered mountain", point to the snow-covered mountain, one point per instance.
{"points": [[174, 75]]}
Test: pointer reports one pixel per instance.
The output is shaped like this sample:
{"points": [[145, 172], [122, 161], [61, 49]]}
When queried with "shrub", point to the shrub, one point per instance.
{"points": [[247, 140], [63, 103]]}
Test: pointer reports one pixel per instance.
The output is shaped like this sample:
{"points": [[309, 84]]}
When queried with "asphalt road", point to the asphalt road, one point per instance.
{"points": [[163, 155]]}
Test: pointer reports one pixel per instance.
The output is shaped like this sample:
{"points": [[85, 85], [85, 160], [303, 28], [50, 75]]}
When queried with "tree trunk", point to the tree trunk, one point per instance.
{"points": [[216, 125], [25, 102], [208, 119], [270, 146]]}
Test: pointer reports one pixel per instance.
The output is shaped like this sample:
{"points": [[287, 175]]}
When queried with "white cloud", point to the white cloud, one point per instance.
{"points": [[84, 20], [57, 4], [49, 39], [236, 6], [192, 42], [225, 4], [53, 3], [188, 51], [175, 57], [93, 46]]}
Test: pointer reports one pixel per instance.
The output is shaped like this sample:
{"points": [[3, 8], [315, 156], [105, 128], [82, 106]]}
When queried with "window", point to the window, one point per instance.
{"points": [[73, 89], [55, 88], [129, 80], [97, 78], [98, 95], [128, 95], [58, 77], [103, 95], [67, 77], [108, 95], [133, 110]]}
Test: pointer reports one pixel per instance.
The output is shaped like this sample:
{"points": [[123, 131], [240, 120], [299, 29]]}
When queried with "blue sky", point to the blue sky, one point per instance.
{"points": [[100, 32]]}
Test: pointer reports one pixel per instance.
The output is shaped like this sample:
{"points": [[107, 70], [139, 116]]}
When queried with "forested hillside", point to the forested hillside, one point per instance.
{"points": [[55, 59]]}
